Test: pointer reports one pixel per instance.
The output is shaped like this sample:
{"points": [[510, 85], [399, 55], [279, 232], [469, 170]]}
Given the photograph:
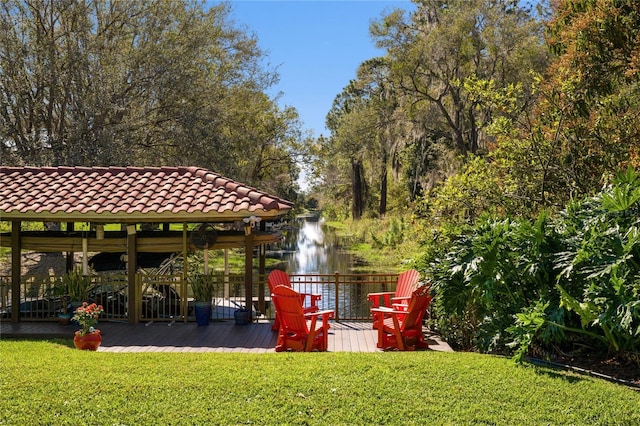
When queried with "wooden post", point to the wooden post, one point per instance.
{"points": [[226, 274], [132, 257], [248, 270], [184, 291], [262, 278], [16, 269], [337, 295], [85, 261], [70, 254], [262, 271]]}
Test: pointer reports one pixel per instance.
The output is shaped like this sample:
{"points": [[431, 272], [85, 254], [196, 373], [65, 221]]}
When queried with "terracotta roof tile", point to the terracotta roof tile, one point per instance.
{"points": [[153, 193]]}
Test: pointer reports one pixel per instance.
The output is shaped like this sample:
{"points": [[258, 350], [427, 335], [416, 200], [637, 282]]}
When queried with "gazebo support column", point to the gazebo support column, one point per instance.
{"points": [[69, 255], [184, 302], [261, 272], [16, 267], [132, 256], [248, 270]]}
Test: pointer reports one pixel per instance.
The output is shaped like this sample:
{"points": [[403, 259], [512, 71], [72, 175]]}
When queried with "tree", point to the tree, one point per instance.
{"points": [[103, 82], [380, 98], [444, 43], [351, 137], [584, 126], [594, 87]]}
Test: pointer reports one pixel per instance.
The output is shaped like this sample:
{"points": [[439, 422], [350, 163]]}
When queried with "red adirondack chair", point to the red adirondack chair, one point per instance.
{"points": [[278, 277], [398, 299], [299, 331], [402, 329]]}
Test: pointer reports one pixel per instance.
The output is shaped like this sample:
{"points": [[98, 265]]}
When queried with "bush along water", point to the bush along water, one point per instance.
{"points": [[554, 284]]}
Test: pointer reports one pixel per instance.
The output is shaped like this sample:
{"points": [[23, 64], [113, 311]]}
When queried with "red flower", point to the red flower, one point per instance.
{"points": [[87, 316]]}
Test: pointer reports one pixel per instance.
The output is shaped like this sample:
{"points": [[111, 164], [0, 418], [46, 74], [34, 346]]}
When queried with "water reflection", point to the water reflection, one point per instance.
{"points": [[311, 248], [311, 251]]}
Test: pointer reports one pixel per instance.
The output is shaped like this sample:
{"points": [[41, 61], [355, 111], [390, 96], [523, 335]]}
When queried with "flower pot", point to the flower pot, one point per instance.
{"points": [[241, 316], [203, 312], [87, 342]]}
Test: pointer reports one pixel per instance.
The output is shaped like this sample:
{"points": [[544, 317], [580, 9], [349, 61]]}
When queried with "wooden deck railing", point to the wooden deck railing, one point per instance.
{"points": [[162, 296]]}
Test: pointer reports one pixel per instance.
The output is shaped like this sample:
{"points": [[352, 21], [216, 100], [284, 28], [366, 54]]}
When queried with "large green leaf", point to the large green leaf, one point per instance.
{"points": [[588, 312]]}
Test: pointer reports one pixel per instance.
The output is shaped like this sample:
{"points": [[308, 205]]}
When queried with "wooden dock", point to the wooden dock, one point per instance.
{"points": [[223, 336]]}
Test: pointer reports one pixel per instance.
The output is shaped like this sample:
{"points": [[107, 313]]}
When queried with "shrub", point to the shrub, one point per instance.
{"points": [[489, 274], [599, 267], [571, 280]]}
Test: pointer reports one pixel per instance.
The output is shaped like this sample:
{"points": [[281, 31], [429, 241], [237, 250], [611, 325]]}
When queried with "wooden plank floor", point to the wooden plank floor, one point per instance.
{"points": [[224, 336]]}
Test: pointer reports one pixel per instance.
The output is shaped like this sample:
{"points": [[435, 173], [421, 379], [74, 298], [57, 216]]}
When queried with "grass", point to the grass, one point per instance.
{"points": [[49, 382]]}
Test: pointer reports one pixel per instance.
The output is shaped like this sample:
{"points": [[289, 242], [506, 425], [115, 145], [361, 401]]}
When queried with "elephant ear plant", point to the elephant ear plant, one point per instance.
{"points": [[595, 303]]}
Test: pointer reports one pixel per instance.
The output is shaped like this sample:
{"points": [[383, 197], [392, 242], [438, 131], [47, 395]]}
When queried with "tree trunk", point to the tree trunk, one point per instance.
{"points": [[357, 207], [382, 208]]}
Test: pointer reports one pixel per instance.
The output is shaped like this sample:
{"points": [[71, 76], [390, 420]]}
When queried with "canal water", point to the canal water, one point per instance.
{"points": [[312, 248]]}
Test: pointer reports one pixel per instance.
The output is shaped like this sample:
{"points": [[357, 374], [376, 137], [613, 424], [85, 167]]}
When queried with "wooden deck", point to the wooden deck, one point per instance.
{"points": [[225, 336]]}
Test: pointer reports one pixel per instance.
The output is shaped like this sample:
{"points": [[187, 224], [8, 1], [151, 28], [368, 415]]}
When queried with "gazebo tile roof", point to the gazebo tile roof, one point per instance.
{"points": [[96, 191]]}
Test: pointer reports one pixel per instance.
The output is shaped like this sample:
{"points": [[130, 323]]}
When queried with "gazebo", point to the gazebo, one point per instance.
{"points": [[131, 197]]}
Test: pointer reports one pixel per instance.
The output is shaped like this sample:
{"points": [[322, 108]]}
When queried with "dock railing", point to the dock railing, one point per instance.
{"points": [[169, 297]]}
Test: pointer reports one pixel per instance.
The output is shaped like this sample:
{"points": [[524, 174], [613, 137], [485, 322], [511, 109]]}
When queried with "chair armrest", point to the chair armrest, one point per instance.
{"points": [[314, 327], [376, 298], [379, 294], [313, 297], [328, 312], [388, 311], [400, 303]]}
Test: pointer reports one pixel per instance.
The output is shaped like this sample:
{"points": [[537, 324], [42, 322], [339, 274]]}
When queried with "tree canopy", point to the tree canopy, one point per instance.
{"points": [[105, 82], [419, 105]]}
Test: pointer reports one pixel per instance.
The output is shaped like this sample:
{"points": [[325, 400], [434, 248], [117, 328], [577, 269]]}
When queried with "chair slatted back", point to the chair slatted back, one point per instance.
{"points": [[278, 277], [289, 309], [407, 282], [420, 300]]}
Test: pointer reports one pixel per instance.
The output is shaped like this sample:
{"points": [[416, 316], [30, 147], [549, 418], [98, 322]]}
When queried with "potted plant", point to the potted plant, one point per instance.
{"points": [[77, 286], [88, 337], [59, 290], [203, 288]]}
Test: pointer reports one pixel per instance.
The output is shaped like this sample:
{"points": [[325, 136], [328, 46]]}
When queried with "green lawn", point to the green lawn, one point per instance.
{"points": [[49, 382]]}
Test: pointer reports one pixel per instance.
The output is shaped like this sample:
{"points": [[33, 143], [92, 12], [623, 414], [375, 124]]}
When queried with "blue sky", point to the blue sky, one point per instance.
{"points": [[316, 45]]}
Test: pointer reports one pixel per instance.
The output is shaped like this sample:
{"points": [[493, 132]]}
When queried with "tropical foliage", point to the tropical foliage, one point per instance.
{"points": [[490, 273], [76, 285], [203, 286], [571, 280]]}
